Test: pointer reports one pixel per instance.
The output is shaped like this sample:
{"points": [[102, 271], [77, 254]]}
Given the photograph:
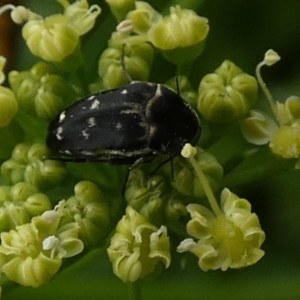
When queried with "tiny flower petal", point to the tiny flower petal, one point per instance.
{"points": [[258, 128]]}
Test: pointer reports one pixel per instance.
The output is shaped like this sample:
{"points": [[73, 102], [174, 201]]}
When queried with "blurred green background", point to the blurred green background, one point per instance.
{"points": [[240, 31]]}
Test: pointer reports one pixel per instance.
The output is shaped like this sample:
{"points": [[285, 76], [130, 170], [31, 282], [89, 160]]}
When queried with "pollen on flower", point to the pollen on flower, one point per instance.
{"points": [[188, 150], [125, 27], [271, 57]]}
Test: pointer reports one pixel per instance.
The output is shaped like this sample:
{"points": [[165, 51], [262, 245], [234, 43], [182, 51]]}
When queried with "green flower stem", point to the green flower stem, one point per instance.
{"points": [[257, 166], [206, 187], [134, 291], [265, 88]]}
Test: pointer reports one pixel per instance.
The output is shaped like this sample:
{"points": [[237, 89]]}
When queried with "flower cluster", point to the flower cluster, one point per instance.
{"points": [[43, 222]]}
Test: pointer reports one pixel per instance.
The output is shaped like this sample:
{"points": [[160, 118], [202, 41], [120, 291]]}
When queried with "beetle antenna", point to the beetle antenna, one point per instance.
{"points": [[177, 86], [123, 64]]}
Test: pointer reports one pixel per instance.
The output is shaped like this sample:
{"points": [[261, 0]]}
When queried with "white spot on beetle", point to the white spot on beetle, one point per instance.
{"points": [[95, 104], [119, 126], [91, 97], [85, 134], [158, 92], [66, 152], [62, 116], [91, 122], [124, 92], [59, 132]]}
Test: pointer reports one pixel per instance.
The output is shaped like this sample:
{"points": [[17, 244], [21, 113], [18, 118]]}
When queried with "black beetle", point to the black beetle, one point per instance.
{"points": [[126, 125]]}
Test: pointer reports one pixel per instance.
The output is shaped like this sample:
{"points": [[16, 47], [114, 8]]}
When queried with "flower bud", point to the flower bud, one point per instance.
{"points": [[143, 17], [41, 91], [227, 94], [19, 204], [258, 128], [28, 164], [2, 65], [180, 35], [90, 211], [8, 106], [229, 240], [138, 56], [174, 210], [187, 183], [138, 247], [120, 8], [145, 195], [51, 39]]}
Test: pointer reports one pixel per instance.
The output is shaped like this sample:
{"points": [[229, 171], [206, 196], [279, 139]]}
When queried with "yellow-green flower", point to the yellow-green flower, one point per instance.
{"points": [[232, 239], [32, 253], [180, 35], [56, 37], [138, 247], [288, 112], [286, 141], [82, 17], [51, 38], [143, 17]]}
